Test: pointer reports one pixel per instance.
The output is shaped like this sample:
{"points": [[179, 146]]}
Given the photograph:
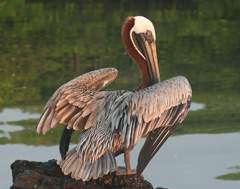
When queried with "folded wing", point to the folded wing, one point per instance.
{"points": [[73, 104], [152, 112], [168, 103]]}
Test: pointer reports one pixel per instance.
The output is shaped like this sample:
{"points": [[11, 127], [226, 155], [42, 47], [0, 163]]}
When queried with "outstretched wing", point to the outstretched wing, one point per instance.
{"points": [[73, 104], [152, 112]]}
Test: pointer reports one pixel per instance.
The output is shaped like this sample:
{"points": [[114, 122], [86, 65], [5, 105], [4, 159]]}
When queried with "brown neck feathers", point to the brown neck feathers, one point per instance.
{"points": [[132, 52]]}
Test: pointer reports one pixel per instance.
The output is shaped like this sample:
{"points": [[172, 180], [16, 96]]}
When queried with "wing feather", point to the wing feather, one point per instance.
{"points": [[152, 112], [173, 108], [74, 102]]}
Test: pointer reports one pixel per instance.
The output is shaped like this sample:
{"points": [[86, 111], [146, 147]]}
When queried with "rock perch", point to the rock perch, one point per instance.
{"points": [[47, 175]]}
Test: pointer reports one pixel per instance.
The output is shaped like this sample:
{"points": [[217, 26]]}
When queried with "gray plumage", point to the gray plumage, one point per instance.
{"points": [[112, 121]]}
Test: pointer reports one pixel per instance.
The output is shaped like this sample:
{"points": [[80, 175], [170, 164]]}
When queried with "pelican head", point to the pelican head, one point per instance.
{"points": [[139, 39]]}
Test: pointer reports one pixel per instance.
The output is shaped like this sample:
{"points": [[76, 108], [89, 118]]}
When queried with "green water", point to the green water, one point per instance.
{"points": [[46, 43]]}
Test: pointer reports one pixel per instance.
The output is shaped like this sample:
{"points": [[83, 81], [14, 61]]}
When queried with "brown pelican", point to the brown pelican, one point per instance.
{"points": [[112, 122]]}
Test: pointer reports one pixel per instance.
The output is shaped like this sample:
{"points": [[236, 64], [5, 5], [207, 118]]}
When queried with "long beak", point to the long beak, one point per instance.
{"points": [[147, 47], [152, 61]]}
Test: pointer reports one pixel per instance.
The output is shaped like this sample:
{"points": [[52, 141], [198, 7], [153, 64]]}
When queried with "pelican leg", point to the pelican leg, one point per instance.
{"points": [[127, 161], [127, 170]]}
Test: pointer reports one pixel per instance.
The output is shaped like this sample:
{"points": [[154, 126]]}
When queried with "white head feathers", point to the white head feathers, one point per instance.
{"points": [[142, 24]]}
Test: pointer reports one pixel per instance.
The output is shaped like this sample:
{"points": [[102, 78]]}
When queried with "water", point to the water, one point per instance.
{"points": [[44, 44], [193, 161], [16, 114], [184, 162], [187, 161], [197, 106], [13, 114], [7, 129]]}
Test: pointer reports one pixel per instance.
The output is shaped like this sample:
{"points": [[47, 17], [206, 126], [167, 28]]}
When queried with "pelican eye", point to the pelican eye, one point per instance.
{"points": [[149, 36]]}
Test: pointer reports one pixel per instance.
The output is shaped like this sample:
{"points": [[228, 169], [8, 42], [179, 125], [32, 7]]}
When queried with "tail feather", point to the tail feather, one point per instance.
{"points": [[70, 161], [74, 165]]}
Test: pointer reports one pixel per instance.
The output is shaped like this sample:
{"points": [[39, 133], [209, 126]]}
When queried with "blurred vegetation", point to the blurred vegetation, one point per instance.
{"points": [[235, 176], [46, 43], [230, 176]]}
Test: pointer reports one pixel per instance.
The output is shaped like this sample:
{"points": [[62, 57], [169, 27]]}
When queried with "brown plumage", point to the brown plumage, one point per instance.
{"points": [[74, 102], [112, 122]]}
